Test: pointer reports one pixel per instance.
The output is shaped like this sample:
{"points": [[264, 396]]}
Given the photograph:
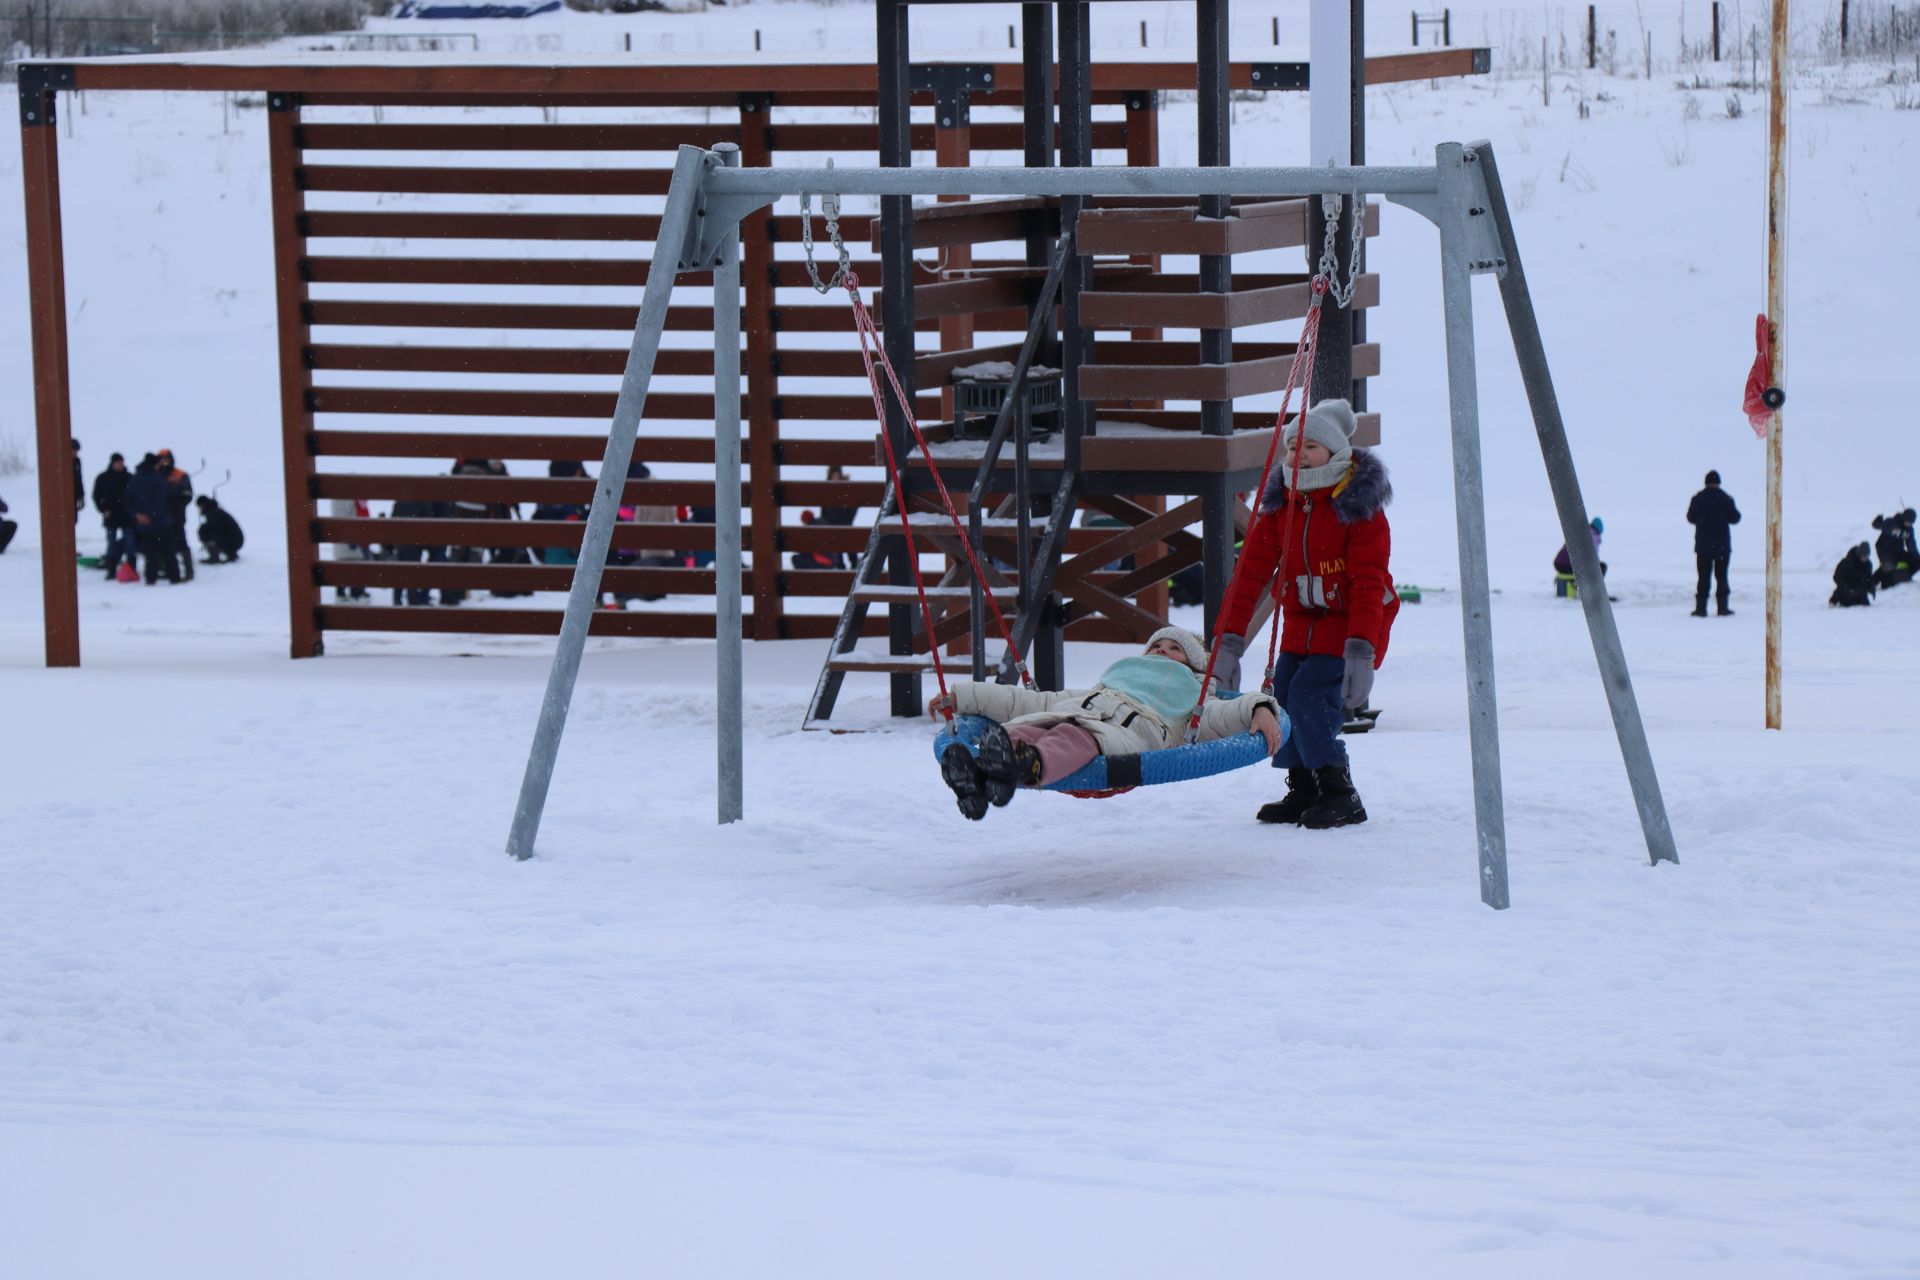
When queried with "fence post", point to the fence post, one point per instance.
{"points": [[1446, 27], [1716, 30], [1649, 57], [1843, 28], [1276, 31], [1593, 41], [1414, 14]]}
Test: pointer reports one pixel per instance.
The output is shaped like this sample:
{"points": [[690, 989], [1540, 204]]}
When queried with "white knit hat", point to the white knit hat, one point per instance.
{"points": [[1189, 645], [1330, 424]]}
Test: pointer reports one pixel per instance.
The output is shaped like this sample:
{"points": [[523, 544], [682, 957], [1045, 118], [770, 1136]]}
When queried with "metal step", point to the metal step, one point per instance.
{"points": [[897, 663], [958, 595]]}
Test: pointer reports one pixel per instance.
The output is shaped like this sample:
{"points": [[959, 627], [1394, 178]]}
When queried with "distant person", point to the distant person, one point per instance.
{"points": [[414, 553], [1712, 515], [110, 500], [179, 498], [1563, 559], [79, 485], [1899, 559], [220, 535], [150, 510], [1854, 579], [7, 527], [833, 517]]}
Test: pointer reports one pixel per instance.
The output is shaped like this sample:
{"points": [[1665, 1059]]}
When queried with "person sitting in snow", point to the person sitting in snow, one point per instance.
{"points": [[1854, 579], [1139, 704], [1898, 558], [1320, 538], [1563, 559]]}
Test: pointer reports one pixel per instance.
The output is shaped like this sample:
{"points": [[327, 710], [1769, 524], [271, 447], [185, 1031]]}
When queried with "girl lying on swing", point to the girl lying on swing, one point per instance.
{"points": [[1140, 704]]}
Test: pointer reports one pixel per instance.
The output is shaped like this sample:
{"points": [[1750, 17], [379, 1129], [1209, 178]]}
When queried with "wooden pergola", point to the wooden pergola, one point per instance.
{"points": [[781, 351]]}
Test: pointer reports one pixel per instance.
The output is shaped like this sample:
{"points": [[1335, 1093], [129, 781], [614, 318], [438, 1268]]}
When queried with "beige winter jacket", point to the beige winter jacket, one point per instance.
{"points": [[1119, 724]]}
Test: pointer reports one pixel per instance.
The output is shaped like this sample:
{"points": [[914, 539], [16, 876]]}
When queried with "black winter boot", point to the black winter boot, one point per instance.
{"points": [[962, 775], [1303, 792], [1699, 606], [1006, 764], [1339, 804]]}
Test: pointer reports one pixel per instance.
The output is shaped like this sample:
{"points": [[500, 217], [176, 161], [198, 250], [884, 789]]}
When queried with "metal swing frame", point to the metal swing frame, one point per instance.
{"points": [[1460, 193]]}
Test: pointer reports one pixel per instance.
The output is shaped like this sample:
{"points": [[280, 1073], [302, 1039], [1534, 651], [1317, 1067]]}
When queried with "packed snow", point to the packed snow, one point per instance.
{"points": [[274, 1002]]}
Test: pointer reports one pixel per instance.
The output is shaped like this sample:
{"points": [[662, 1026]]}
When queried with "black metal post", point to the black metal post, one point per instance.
{"points": [[1716, 30], [896, 303], [1211, 24], [1593, 49]]}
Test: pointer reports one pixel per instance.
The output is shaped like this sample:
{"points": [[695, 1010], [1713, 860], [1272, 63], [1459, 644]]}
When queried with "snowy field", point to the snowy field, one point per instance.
{"points": [[273, 1003]]}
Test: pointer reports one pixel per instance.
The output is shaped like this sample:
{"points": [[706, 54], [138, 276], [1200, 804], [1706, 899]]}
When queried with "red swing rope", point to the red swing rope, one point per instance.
{"points": [[873, 354], [1299, 373]]}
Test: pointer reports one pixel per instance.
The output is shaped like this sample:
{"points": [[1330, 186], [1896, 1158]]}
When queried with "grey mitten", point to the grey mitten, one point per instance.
{"points": [[1226, 661], [1357, 681]]}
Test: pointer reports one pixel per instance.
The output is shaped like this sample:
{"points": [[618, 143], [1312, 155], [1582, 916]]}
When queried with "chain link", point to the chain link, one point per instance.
{"points": [[830, 206], [1342, 294]]}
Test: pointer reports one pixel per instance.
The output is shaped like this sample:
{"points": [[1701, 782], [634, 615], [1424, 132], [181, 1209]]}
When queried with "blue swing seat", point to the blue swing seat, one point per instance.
{"points": [[1110, 775]]}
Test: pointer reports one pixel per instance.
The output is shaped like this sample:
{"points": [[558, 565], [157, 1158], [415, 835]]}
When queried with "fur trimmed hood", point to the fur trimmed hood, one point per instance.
{"points": [[1366, 491]]}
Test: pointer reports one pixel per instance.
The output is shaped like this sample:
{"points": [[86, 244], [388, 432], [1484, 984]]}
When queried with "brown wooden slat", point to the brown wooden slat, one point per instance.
{"points": [[451, 180], [824, 453], [1204, 381], [504, 404], [1244, 306], [515, 489], [631, 228], [1271, 225], [513, 137], [507, 447], [635, 580], [487, 315], [965, 297], [668, 361], [602, 272], [546, 622]]}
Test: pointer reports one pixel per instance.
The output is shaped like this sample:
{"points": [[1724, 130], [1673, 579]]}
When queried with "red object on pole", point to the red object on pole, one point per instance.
{"points": [[1762, 396]]}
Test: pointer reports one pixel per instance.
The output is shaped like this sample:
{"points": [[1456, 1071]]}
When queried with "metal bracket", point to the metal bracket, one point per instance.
{"points": [[1271, 76], [952, 86], [715, 216], [283, 102], [39, 81], [1143, 100], [1485, 254]]}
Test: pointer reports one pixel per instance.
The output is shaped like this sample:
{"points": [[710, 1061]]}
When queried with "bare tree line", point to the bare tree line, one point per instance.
{"points": [[58, 28]]}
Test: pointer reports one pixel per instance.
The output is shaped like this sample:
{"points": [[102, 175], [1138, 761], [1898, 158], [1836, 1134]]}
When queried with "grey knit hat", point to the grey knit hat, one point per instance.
{"points": [[1189, 645], [1330, 424]]}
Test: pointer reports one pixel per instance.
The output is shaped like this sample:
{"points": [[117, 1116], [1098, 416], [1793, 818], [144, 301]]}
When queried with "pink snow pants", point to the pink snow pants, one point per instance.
{"points": [[1064, 748]]}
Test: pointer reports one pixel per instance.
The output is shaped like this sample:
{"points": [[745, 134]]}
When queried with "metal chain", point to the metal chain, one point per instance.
{"points": [[1342, 294], [830, 206]]}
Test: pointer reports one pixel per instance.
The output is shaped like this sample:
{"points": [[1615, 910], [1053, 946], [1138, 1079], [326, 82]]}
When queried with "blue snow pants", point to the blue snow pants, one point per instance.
{"points": [[1308, 686]]}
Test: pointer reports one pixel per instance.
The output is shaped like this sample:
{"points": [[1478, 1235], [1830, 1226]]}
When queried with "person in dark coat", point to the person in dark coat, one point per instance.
{"points": [[1899, 560], [151, 513], [7, 527], [1712, 515], [109, 499], [1854, 579], [179, 498], [79, 485], [839, 517], [410, 553], [220, 533]]}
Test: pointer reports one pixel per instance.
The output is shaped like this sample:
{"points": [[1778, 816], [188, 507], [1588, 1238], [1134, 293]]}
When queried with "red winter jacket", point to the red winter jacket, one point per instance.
{"points": [[1335, 584]]}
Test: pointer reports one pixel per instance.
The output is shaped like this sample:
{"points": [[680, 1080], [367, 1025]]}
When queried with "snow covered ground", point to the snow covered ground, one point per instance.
{"points": [[272, 1001]]}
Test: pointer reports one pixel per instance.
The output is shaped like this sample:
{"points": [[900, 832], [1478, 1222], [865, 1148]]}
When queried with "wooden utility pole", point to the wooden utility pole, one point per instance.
{"points": [[1777, 336]]}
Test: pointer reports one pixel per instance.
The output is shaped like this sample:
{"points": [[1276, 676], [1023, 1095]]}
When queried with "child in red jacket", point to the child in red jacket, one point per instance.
{"points": [[1320, 538]]}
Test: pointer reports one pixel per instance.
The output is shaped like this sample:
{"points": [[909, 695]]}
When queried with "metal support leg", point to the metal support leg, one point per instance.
{"points": [[682, 198], [1469, 500], [1554, 448], [726, 512]]}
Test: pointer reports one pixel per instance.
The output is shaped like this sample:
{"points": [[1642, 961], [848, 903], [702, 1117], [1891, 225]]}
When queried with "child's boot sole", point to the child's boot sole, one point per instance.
{"points": [[962, 777]]}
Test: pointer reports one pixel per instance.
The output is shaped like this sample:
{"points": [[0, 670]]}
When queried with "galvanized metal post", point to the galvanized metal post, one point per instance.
{"points": [[1469, 502], [683, 196], [729, 782], [1608, 652], [1777, 331]]}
